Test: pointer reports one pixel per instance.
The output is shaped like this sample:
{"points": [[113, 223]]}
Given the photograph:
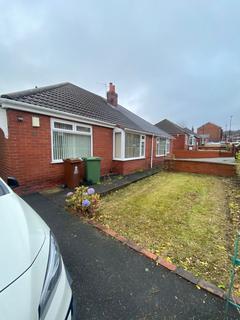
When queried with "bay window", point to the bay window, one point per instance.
{"points": [[128, 145], [70, 140]]}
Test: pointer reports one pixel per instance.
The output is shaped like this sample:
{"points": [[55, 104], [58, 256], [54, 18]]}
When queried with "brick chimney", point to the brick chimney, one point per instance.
{"points": [[112, 96]]}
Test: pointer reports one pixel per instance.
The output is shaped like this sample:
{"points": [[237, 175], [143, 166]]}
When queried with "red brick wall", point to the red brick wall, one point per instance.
{"points": [[216, 169], [212, 148], [3, 156], [30, 150], [215, 132], [188, 154], [30, 160], [179, 142], [27, 153], [103, 147]]}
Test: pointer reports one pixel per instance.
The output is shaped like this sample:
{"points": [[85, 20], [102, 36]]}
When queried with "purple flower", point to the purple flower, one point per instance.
{"points": [[90, 191], [69, 194], [86, 203]]}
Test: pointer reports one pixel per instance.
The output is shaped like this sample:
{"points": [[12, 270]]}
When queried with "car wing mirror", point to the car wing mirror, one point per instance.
{"points": [[12, 182]]}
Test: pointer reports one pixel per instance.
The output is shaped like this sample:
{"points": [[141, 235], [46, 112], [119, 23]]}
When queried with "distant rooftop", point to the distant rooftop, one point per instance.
{"points": [[173, 128]]}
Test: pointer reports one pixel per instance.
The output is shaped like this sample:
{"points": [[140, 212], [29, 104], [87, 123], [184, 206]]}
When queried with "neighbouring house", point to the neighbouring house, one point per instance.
{"points": [[41, 127], [185, 139], [210, 132]]}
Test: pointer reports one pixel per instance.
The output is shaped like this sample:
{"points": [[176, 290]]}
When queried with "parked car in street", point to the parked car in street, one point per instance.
{"points": [[34, 284]]}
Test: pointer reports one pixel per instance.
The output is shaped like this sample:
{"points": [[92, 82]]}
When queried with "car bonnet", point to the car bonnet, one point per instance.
{"points": [[22, 234]]}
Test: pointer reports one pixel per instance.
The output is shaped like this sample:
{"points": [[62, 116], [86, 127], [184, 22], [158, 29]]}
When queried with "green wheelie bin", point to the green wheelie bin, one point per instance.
{"points": [[92, 167]]}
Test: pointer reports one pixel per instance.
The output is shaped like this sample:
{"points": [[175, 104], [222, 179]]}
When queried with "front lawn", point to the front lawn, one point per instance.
{"points": [[184, 218]]}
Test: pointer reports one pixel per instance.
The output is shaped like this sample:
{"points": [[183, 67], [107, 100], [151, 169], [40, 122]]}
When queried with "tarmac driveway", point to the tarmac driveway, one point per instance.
{"points": [[111, 281]]}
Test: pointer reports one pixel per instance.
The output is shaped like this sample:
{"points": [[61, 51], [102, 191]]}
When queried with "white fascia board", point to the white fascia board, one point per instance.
{"points": [[4, 122], [149, 133], [18, 105]]}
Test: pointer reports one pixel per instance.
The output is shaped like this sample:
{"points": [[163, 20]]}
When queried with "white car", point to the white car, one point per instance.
{"points": [[33, 281]]}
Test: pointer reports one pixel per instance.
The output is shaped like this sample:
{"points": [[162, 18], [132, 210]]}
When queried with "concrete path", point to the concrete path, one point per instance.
{"points": [[111, 281]]}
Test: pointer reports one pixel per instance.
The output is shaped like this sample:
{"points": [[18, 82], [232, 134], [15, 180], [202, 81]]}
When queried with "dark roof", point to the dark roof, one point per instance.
{"points": [[173, 128], [67, 97]]}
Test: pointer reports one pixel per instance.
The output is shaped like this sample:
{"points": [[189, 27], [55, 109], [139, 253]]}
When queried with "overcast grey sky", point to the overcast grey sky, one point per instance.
{"points": [[171, 59]]}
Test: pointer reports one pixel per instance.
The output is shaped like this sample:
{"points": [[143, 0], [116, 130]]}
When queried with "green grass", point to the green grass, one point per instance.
{"points": [[182, 217]]}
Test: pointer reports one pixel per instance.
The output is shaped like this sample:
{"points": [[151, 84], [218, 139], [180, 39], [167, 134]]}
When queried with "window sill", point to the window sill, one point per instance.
{"points": [[56, 161], [128, 159]]}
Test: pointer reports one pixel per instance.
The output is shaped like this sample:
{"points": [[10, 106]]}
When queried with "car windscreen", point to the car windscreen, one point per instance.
{"points": [[3, 189]]}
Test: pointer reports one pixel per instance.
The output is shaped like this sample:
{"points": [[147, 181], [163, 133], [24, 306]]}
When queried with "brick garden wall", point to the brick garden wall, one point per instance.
{"points": [[217, 169], [188, 154]]}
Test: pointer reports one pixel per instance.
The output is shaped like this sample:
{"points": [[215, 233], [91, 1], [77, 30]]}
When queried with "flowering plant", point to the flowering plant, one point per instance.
{"points": [[84, 201]]}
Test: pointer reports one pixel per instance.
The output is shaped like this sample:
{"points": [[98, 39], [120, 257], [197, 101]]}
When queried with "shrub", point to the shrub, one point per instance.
{"points": [[237, 156], [84, 201]]}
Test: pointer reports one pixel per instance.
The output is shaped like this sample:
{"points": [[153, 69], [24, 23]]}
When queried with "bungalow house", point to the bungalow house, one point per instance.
{"points": [[185, 139], [41, 127]]}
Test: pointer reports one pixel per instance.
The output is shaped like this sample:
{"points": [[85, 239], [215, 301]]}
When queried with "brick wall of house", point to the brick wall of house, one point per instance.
{"points": [[217, 169], [30, 159], [103, 147], [30, 150], [214, 132], [26, 154], [179, 142], [3, 156]]}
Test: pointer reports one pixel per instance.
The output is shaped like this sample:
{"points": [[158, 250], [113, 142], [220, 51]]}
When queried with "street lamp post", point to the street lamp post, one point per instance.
{"points": [[230, 127]]}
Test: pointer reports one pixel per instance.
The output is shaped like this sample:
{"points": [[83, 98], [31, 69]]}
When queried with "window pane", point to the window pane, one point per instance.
{"points": [[83, 129], [161, 146], [132, 145], [64, 126], [68, 145], [142, 148], [167, 146], [118, 144]]}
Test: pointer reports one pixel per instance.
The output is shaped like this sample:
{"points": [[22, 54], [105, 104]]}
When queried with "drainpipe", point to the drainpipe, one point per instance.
{"points": [[152, 152]]}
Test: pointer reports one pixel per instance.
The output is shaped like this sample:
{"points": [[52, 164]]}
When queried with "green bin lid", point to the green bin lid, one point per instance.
{"points": [[91, 158]]}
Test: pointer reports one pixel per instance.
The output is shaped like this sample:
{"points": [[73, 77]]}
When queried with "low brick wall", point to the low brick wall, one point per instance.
{"points": [[193, 154], [217, 148], [201, 167]]}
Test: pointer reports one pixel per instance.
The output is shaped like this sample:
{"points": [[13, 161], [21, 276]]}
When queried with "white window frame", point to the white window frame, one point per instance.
{"points": [[74, 131], [123, 140], [168, 145], [192, 140], [166, 148]]}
